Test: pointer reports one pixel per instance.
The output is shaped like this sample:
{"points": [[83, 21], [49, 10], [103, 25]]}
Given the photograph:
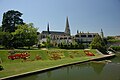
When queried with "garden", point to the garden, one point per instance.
{"points": [[14, 62]]}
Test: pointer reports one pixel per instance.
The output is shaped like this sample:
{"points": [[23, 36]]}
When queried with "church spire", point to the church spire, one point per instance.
{"points": [[48, 28], [67, 29], [77, 31], [102, 34]]}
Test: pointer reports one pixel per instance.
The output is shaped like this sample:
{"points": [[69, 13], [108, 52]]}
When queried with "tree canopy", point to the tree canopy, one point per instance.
{"points": [[10, 20], [14, 33], [25, 35], [98, 43]]}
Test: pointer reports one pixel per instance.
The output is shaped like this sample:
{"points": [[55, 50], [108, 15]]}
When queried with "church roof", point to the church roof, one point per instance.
{"points": [[54, 32], [82, 33]]}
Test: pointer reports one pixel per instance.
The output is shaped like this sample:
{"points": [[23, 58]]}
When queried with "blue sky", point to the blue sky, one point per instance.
{"points": [[84, 15]]}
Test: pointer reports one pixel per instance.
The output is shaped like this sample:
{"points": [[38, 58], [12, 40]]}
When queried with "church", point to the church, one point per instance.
{"points": [[59, 37]]}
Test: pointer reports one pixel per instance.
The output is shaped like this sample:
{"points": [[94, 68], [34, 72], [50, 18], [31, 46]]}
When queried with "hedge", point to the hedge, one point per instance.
{"points": [[116, 48]]}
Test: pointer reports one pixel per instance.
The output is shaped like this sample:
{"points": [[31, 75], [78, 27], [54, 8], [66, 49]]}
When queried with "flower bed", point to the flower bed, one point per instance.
{"points": [[19, 56], [88, 53]]}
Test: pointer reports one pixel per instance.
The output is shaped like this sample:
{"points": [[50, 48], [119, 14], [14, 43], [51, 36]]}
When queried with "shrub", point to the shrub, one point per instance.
{"points": [[71, 56], [1, 68], [98, 43], [55, 55], [39, 46], [38, 57], [71, 46], [113, 41], [117, 48]]}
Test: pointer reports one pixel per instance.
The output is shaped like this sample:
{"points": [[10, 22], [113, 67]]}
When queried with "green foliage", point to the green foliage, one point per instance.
{"points": [[110, 37], [48, 42], [25, 35], [98, 43], [13, 67], [56, 55], [71, 46], [10, 20], [113, 41], [116, 48], [6, 39], [44, 54], [1, 68], [0, 28], [39, 45]]}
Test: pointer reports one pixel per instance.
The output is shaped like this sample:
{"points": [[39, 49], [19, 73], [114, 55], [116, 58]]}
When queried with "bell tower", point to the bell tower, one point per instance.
{"points": [[67, 29], [48, 28], [102, 34]]}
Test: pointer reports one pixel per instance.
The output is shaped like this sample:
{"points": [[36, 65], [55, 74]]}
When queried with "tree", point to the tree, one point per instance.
{"points": [[25, 35], [98, 43], [6, 39], [110, 37], [10, 20], [48, 42], [0, 35], [0, 28]]}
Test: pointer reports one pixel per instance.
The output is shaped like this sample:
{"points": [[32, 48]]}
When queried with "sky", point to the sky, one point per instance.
{"points": [[83, 15]]}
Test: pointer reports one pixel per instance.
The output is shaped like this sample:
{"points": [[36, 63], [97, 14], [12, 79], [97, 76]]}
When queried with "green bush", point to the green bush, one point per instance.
{"points": [[1, 68], [39, 46], [113, 41], [116, 48], [71, 46]]}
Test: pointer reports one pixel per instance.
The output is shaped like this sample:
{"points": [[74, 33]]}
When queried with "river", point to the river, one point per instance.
{"points": [[96, 70]]}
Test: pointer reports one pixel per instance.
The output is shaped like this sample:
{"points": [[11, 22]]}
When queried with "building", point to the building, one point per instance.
{"points": [[58, 37], [85, 37]]}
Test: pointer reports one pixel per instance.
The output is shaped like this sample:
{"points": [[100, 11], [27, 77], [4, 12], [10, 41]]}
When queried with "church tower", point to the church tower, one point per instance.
{"points": [[67, 29], [48, 29], [102, 34]]}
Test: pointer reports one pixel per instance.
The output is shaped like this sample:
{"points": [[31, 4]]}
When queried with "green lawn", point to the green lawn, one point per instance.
{"points": [[12, 67]]}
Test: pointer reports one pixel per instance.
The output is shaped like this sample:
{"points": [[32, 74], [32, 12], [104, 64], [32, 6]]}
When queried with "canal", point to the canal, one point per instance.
{"points": [[95, 70]]}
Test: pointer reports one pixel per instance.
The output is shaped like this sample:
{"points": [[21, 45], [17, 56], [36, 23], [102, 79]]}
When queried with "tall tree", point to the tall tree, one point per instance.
{"points": [[6, 39], [0, 28], [25, 35], [48, 42], [0, 35], [98, 43], [10, 20]]}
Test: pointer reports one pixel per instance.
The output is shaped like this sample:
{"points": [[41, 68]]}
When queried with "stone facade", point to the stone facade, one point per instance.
{"points": [[58, 37], [85, 37]]}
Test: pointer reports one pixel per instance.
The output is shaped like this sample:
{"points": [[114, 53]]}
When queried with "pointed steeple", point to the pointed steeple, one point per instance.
{"points": [[77, 31], [48, 28], [102, 34], [67, 29]]}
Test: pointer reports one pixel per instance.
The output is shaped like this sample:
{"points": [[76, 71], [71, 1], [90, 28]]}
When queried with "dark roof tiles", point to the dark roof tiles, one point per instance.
{"points": [[54, 32]]}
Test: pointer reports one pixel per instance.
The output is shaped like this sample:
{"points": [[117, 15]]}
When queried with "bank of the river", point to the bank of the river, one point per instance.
{"points": [[17, 68]]}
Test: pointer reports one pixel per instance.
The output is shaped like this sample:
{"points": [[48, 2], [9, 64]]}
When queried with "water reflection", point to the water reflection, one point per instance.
{"points": [[83, 71], [49, 74], [97, 66]]}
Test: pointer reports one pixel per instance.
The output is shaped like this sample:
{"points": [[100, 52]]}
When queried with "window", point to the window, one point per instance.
{"points": [[61, 38], [94, 35], [76, 35], [65, 38], [89, 35], [43, 36], [83, 35]]}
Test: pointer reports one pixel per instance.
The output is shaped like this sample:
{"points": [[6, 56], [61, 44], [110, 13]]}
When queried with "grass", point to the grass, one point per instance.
{"points": [[12, 67]]}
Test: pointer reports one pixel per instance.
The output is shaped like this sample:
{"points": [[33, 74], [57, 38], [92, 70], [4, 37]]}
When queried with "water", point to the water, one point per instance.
{"points": [[85, 71]]}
